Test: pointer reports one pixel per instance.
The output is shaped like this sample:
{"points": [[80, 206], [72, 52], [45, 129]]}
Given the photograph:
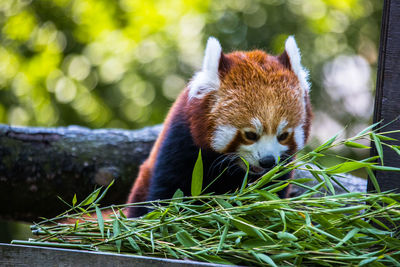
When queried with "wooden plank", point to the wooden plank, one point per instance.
{"points": [[17, 255], [387, 98]]}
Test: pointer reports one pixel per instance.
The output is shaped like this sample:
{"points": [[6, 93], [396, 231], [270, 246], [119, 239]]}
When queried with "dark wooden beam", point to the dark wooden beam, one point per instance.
{"points": [[17, 255], [387, 98]]}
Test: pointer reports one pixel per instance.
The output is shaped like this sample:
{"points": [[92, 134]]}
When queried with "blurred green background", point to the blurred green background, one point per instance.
{"points": [[120, 64]]}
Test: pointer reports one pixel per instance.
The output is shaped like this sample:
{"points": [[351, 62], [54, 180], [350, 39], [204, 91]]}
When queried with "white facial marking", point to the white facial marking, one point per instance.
{"points": [[257, 124], [267, 145], [299, 136], [293, 52], [281, 126], [222, 137], [207, 79]]}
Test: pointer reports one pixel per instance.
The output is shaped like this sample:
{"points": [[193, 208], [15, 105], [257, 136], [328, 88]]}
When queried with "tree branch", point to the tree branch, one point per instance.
{"points": [[39, 164]]}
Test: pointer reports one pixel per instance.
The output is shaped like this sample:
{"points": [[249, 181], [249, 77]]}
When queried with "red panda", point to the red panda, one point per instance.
{"points": [[242, 104]]}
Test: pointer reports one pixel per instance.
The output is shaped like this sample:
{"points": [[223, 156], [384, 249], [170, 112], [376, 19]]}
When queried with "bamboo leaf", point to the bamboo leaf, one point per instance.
{"points": [[367, 261], [133, 244], [326, 145], [100, 221], [385, 168], [247, 227], [223, 236], [372, 178], [378, 146], [283, 217], [74, 200], [245, 176], [178, 194], [117, 232], [265, 258], [286, 236], [348, 236], [368, 129], [92, 197], [356, 145], [197, 176], [385, 138], [346, 167], [214, 259], [185, 239], [104, 192], [76, 225]]}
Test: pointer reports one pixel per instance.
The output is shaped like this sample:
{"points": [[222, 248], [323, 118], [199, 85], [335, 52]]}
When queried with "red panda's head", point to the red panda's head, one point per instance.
{"points": [[252, 104]]}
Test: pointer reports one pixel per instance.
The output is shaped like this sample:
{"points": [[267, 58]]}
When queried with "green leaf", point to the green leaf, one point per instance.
{"points": [[225, 204], [328, 183], [133, 244], [264, 258], [214, 259], [346, 167], [378, 146], [116, 232], [244, 183], [100, 221], [368, 129], [278, 188], [74, 200], [326, 144], [76, 225], [367, 261], [356, 145], [345, 209], [266, 178], [152, 241], [349, 236], [286, 236], [197, 176], [223, 236], [92, 197], [283, 217], [372, 178], [178, 194], [185, 239], [247, 227], [104, 192], [384, 168], [385, 138]]}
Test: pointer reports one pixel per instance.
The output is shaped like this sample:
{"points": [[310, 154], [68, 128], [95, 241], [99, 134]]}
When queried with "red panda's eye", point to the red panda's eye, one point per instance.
{"points": [[283, 136], [252, 136]]}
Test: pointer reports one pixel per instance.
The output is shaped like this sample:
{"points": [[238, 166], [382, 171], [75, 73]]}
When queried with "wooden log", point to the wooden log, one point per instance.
{"points": [[387, 98], [39, 164]]}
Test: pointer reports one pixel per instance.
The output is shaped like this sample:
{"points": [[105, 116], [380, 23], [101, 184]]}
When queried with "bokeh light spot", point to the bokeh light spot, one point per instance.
{"points": [[65, 90], [172, 86]]}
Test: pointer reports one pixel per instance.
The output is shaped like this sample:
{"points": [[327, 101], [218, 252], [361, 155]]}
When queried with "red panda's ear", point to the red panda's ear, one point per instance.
{"points": [[207, 80], [224, 64], [290, 58]]}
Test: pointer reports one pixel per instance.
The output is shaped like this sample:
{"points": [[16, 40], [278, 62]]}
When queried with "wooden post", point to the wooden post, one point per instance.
{"points": [[387, 98]]}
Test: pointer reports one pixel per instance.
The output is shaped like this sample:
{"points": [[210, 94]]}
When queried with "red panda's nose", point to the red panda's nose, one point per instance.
{"points": [[267, 162]]}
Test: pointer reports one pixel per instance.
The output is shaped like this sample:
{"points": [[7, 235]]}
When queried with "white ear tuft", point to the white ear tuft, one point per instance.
{"points": [[212, 55], [293, 52], [207, 79]]}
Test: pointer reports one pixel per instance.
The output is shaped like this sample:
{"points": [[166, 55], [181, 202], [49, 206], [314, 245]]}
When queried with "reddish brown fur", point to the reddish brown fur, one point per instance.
{"points": [[270, 91]]}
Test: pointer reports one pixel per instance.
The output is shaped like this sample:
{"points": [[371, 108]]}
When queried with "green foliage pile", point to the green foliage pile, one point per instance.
{"points": [[102, 63], [251, 226]]}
